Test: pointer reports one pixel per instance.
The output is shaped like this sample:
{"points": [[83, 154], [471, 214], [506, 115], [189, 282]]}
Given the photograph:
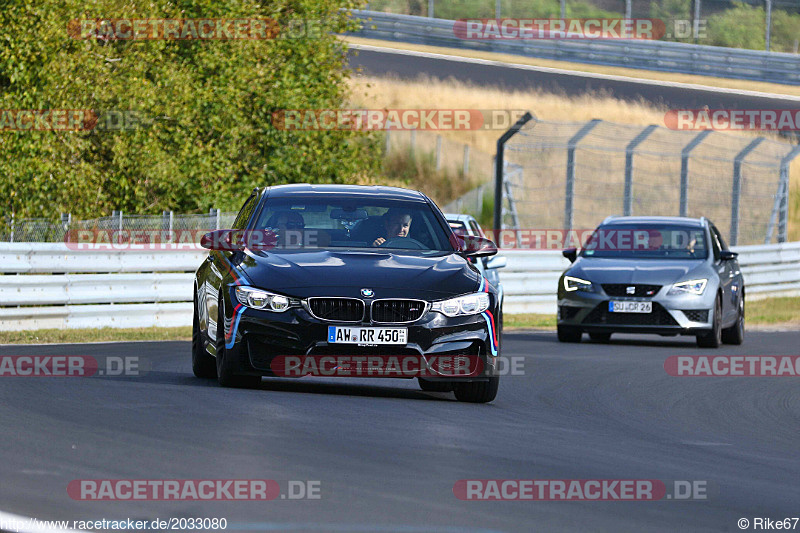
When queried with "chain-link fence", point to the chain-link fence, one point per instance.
{"points": [[45, 230], [573, 175]]}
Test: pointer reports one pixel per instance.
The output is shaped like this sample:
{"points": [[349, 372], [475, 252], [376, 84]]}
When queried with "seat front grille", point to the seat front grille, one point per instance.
{"points": [[621, 289]]}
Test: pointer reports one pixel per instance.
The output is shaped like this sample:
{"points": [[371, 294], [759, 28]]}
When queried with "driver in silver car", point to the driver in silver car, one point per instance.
{"points": [[396, 223]]}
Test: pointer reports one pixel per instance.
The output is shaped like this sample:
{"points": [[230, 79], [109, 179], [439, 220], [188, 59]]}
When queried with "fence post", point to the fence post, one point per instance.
{"points": [[466, 160], [438, 152], [782, 198], [430, 8], [768, 24], [684, 208], [627, 208], [498, 169], [737, 188], [570, 192]]}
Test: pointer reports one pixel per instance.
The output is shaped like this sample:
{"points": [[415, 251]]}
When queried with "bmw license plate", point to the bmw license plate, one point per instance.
{"points": [[630, 307], [345, 335]]}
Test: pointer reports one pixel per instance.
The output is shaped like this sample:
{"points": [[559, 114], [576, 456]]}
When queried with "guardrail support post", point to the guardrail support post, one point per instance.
{"points": [[466, 160], [684, 209], [438, 152], [628, 205], [570, 191], [413, 137], [498, 170], [736, 193]]}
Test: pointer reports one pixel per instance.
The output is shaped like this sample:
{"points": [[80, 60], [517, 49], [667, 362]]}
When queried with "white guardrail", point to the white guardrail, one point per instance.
{"points": [[46, 285]]}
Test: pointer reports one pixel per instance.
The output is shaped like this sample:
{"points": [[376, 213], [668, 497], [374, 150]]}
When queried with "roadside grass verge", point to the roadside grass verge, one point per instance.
{"points": [[78, 336], [768, 312]]}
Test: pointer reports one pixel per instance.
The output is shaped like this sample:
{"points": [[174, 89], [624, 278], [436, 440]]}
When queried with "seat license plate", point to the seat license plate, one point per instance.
{"points": [[630, 307], [347, 335]]}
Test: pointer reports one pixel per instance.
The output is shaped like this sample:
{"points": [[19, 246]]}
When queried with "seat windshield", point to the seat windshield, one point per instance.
{"points": [[647, 241]]}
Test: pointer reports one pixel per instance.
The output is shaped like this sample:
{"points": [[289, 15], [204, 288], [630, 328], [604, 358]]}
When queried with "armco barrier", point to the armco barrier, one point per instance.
{"points": [[49, 286], [777, 67]]}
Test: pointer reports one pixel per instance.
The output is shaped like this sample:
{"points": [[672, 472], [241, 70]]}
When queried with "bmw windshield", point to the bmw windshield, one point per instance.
{"points": [[341, 222], [647, 241]]}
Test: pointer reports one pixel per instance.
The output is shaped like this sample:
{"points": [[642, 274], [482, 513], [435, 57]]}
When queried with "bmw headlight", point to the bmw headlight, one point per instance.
{"points": [[572, 283], [260, 299], [694, 286], [468, 304]]}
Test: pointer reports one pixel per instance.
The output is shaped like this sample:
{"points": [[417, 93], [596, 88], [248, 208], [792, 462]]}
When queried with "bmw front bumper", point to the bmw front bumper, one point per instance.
{"points": [[258, 337]]}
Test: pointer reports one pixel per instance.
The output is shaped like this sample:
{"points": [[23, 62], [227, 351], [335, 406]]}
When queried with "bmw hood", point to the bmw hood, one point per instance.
{"points": [[651, 271], [345, 273]]}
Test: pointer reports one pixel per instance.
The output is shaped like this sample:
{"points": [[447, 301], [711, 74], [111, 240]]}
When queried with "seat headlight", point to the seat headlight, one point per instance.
{"points": [[468, 304], [260, 299], [572, 283], [693, 286]]}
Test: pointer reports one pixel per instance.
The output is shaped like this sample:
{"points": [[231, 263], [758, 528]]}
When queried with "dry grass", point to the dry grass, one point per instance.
{"points": [[369, 92]]}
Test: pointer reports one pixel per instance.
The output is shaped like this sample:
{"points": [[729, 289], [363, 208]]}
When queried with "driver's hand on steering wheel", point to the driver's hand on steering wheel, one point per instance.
{"points": [[378, 241]]}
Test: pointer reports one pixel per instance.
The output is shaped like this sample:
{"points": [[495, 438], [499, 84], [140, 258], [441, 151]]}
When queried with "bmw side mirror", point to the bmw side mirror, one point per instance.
{"points": [[471, 246], [571, 254], [727, 255], [222, 239]]}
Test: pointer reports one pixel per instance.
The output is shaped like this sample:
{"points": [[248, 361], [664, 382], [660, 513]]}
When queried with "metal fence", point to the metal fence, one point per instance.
{"points": [[49, 285], [666, 56], [46, 230], [560, 175]]}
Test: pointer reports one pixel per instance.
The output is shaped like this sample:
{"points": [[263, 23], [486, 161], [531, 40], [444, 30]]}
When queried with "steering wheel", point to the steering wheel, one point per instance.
{"points": [[403, 242]]}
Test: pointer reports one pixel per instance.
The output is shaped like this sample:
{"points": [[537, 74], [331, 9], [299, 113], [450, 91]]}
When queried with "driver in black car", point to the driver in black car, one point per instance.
{"points": [[396, 223]]}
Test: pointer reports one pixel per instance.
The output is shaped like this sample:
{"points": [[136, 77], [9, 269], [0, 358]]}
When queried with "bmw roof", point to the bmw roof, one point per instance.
{"points": [[363, 191]]}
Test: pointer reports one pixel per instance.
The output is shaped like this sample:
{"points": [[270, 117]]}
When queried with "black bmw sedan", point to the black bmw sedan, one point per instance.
{"points": [[346, 280]]}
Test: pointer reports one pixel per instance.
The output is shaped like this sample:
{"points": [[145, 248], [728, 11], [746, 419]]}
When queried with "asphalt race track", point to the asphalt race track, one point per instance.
{"points": [[674, 96], [387, 455]]}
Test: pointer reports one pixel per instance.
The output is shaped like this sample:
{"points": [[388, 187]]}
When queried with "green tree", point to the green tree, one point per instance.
{"points": [[207, 137]]}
